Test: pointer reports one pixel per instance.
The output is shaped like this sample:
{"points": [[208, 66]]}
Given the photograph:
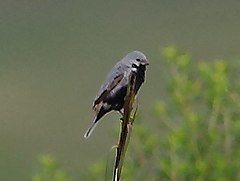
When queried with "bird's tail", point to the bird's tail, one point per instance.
{"points": [[90, 129]]}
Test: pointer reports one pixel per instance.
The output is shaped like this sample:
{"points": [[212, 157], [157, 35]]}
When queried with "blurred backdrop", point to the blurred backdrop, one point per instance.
{"points": [[54, 55]]}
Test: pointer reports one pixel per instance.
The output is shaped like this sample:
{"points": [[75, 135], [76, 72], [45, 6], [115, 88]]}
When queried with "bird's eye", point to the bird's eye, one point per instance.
{"points": [[138, 59]]}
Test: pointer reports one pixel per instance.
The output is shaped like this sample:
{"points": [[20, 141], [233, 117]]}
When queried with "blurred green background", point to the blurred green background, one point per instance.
{"points": [[54, 55]]}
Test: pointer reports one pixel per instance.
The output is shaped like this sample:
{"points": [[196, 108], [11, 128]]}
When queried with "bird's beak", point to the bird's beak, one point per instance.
{"points": [[146, 62]]}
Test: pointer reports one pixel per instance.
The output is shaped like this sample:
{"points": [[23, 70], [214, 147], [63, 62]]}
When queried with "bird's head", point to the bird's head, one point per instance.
{"points": [[136, 59]]}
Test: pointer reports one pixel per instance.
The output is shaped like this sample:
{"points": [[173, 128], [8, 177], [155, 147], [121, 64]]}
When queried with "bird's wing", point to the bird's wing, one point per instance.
{"points": [[107, 89]]}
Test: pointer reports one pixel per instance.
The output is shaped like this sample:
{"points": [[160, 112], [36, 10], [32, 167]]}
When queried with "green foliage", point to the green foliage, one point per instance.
{"points": [[201, 121], [49, 170], [99, 171]]}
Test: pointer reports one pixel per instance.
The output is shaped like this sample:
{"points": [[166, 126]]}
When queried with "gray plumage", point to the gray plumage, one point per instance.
{"points": [[113, 90]]}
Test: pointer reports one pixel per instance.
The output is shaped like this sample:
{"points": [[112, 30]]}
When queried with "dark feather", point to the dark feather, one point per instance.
{"points": [[106, 92], [140, 77]]}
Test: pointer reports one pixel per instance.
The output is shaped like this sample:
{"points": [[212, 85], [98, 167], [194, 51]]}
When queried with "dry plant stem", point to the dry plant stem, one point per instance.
{"points": [[126, 129]]}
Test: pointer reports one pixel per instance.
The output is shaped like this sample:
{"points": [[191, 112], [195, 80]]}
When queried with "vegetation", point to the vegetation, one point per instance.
{"points": [[50, 170], [198, 127]]}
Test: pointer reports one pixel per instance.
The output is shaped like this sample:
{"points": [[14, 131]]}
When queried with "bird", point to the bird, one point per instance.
{"points": [[112, 92]]}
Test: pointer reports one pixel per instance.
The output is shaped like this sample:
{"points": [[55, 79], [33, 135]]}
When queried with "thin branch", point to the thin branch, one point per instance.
{"points": [[126, 128]]}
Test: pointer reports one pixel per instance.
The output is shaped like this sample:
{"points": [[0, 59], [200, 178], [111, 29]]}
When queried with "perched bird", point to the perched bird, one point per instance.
{"points": [[113, 90]]}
